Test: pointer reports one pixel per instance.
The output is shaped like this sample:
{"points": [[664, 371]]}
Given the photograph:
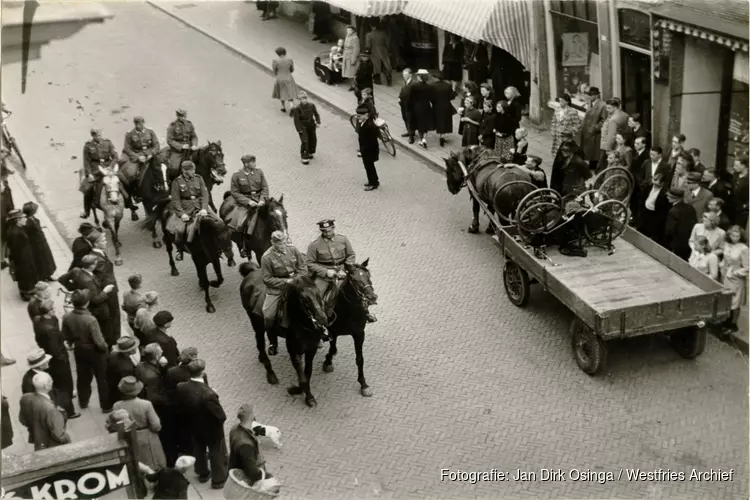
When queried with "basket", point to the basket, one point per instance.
{"points": [[236, 488], [379, 122]]}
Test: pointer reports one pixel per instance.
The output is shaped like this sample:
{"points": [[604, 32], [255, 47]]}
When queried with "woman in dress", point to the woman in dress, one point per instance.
{"points": [[505, 130], [734, 271], [284, 88], [513, 96], [471, 120], [487, 126], [522, 146], [351, 55], [565, 123], [487, 95], [708, 228], [626, 152], [43, 259], [21, 254], [146, 421], [703, 259], [470, 89]]}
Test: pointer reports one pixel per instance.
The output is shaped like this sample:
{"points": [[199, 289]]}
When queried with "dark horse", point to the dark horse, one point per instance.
{"points": [[350, 318], [272, 217], [152, 188], [500, 187], [212, 239], [307, 323], [209, 164]]}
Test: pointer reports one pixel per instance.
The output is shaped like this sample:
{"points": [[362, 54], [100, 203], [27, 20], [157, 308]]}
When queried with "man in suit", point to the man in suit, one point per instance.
{"points": [[376, 41], [175, 376], [697, 196], [638, 168], [740, 195], [680, 221], [655, 166], [83, 279], [45, 422], [121, 363], [711, 182], [404, 100], [698, 165], [654, 210], [616, 123], [39, 362], [158, 334], [245, 454], [591, 130], [635, 124], [716, 205], [205, 419]]}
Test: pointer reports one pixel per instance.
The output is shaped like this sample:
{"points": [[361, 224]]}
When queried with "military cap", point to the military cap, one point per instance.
{"points": [[249, 158], [196, 367], [188, 164], [162, 318], [278, 236], [80, 298], [95, 131], [138, 119], [326, 223], [14, 214], [694, 177], [135, 280], [181, 112]]}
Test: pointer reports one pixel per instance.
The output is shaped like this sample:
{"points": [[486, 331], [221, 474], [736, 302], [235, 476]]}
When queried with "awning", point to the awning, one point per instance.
{"points": [[370, 8], [730, 42], [508, 28], [465, 18]]}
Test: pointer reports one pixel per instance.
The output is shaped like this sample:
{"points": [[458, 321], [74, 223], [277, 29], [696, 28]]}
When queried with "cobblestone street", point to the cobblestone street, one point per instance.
{"points": [[462, 379]]}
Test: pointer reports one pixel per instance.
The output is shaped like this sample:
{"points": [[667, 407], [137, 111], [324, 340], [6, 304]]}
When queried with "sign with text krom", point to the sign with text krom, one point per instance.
{"points": [[78, 484]]}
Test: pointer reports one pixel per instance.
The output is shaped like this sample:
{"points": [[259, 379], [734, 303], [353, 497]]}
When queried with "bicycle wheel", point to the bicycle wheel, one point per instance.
{"points": [[387, 140]]}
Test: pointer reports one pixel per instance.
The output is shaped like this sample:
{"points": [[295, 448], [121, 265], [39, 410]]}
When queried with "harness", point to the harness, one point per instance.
{"points": [[482, 160]]}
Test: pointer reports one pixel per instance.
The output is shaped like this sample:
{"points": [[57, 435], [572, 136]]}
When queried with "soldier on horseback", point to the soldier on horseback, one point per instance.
{"points": [[181, 138], [141, 145], [280, 265], [98, 154], [189, 202], [249, 189], [326, 258]]}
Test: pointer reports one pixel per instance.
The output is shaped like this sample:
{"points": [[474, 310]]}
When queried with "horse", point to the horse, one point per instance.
{"points": [[271, 216], [501, 187], [212, 239], [307, 323], [152, 189], [112, 204], [209, 164], [350, 318]]}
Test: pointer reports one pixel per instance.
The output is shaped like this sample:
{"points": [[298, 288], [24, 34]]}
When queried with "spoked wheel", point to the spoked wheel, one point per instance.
{"points": [[539, 211], [387, 140], [517, 284], [589, 350], [688, 342], [510, 219], [606, 222], [587, 199], [615, 189]]}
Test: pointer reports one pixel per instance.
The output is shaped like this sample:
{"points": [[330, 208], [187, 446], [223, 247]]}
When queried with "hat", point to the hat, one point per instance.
{"points": [[188, 354], [196, 367], [138, 119], [14, 214], [694, 177], [127, 344], [37, 358], [278, 237], [85, 228], [593, 91], [80, 298], [95, 131], [423, 72], [188, 164], [365, 52], [30, 208], [150, 298], [41, 286], [130, 386], [162, 318], [249, 158], [326, 223], [135, 280], [93, 236], [184, 462], [181, 112], [302, 94], [676, 192], [245, 411]]}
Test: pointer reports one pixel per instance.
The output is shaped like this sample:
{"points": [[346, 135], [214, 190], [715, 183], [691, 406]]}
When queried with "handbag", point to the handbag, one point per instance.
{"points": [[236, 487]]}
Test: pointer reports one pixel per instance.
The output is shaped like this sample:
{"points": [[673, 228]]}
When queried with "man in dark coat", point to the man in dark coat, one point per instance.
{"points": [[712, 182], [363, 75], [39, 362], [369, 149], [377, 43], [81, 246], [404, 97], [45, 422], [244, 452], [654, 208], [6, 427], [572, 173], [740, 192], [163, 321], [638, 170], [105, 274], [442, 106], [43, 259], [205, 417], [6, 206], [151, 371], [176, 375], [421, 107], [42, 292], [21, 254], [591, 129], [680, 221], [121, 363]]}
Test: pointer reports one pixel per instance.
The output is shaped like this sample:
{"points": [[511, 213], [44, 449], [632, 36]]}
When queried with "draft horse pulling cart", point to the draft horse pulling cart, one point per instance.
{"points": [[607, 294]]}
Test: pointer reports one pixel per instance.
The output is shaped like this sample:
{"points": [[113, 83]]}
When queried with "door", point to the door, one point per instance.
{"points": [[636, 84]]}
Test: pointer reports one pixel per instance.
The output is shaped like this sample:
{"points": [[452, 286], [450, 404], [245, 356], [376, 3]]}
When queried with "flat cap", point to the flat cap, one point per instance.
{"points": [[162, 318], [676, 192], [80, 298], [694, 177]]}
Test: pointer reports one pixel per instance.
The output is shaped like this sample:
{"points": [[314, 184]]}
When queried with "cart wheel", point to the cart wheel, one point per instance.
{"points": [[617, 187], [609, 172], [511, 219], [589, 350], [606, 222], [517, 285], [689, 342]]}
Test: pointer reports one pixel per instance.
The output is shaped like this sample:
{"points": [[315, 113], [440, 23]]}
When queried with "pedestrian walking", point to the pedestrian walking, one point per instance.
{"points": [[121, 363], [205, 417], [369, 149], [163, 322], [376, 41], [144, 317], [43, 259], [245, 453], [453, 61], [363, 76], [21, 255], [41, 292], [105, 273], [351, 55], [44, 421], [284, 88], [591, 128], [81, 246], [471, 119], [423, 116], [81, 329], [6, 426], [151, 371], [49, 337], [565, 123], [133, 300], [306, 120], [146, 421], [443, 94], [404, 101], [734, 269]]}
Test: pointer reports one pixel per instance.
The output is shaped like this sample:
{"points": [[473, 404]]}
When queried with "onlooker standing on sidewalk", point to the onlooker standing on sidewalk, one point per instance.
{"points": [[376, 41], [487, 126], [284, 88], [421, 107], [740, 192], [21, 254], [81, 329], [591, 130], [306, 120], [175, 376], [369, 150], [42, 292], [363, 76], [105, 273], [515, 106], [39, 362], [615, 123], [677, 149], [162, 322], [680, 221], [734, 269], [205, 418], [244, 451], [404, 100], [46, 424], [81, 245], [6, 206], [351, 55], [146, 421], [144, 317], [505, 131], [453, 61], [43, 259], [132, 301], [49, 337], [152, 373], [442, 95], [703, 259], [565, 123], [121, 362], [471, 120], [6, 427]]}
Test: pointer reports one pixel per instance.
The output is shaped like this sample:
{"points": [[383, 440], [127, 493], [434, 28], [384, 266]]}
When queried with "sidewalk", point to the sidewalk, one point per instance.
{"points": [[238, 26]]}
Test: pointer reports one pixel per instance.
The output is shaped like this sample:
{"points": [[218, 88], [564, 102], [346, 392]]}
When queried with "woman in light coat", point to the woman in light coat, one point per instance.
{"points": [[734, 271], [284, 88], [351, 55]]}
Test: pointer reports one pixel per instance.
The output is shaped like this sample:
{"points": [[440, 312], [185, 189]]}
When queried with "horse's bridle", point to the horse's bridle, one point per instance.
{"points": [[358, 292]]}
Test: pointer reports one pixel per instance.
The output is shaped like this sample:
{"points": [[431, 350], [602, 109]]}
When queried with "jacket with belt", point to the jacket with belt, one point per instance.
{"points": [[81, 328], [278, 267], [324, 254]]}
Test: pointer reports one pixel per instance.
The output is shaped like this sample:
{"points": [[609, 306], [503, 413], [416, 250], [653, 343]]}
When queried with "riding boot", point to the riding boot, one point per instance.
{"points": [[371, 317], [88, 198]]}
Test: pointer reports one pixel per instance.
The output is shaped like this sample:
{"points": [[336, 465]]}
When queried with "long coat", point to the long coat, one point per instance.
{"points": [[591, 130], [368, 141], [21, 254], [43, 259], [442, 107], [80, 248], [46, 424], [6, 205], [680, 221], [119, 365], [6, 427], [351, 56], [105, 273], [377, 42], [421, 107], [453, 61], [49, 337]]}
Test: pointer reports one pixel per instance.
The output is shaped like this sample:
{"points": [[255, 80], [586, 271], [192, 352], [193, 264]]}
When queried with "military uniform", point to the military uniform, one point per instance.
{"points": [[188, 196], [95, 155], [277, 267], [305, 118], [248, 187], [329, 254], [139, 143], [179, 133]]}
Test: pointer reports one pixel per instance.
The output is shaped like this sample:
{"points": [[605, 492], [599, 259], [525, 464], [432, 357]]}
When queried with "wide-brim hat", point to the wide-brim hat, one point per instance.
{"points": [[130, 386], [126, 344], [676, 192], [593, 91], [694, 177], [138, 119], [14, 214], [423, 72], [37, 358]]}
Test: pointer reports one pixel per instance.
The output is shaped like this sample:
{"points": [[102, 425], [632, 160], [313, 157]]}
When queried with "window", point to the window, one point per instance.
{"points": [[576, 56], [738, 121], [635, 28], [340, 14]]}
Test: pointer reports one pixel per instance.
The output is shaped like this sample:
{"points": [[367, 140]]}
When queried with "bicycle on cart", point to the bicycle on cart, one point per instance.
{"points": [[9, 145], [385, 135]]}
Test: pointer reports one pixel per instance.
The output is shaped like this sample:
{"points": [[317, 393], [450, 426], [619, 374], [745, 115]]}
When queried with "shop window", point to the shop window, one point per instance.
{"points": [[577, 62], [738, 121], [340, 14], [582, 9], [635, 28]]}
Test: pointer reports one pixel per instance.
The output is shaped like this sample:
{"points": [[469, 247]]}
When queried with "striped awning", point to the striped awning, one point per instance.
{"points": [[509, 27], [370, 8], [465, 18], [730, 42]]}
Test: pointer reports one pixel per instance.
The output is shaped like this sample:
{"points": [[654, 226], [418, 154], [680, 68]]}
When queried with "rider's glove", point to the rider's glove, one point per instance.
{"points": [[342, 274], [185, 217], [203, 213], [330, 273]]}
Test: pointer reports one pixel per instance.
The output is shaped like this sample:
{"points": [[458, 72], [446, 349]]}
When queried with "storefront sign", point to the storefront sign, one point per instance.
{"points": [[662, 41], [78, 484], [575, 49]]}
